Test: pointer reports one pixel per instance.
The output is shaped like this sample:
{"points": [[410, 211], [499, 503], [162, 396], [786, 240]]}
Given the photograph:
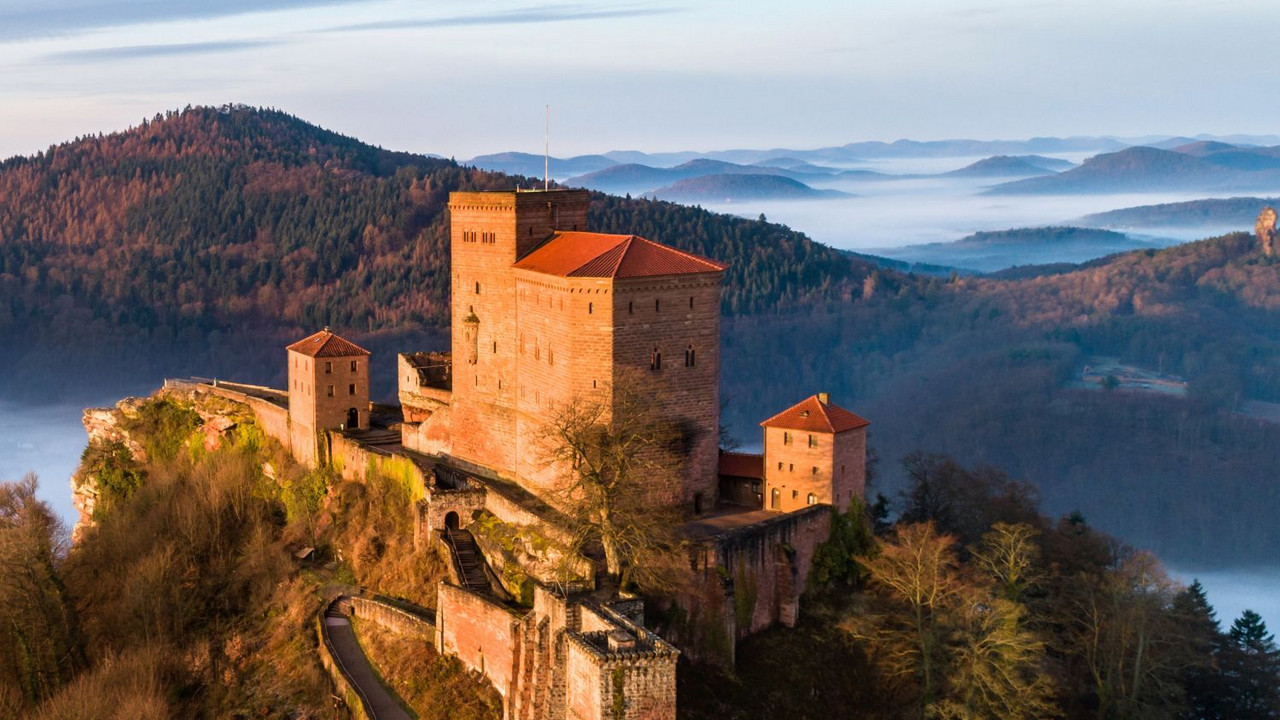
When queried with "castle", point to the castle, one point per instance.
{"points": [[546, 313]]}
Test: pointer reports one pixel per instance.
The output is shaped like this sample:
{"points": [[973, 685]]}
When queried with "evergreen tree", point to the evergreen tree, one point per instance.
{"points": [[1251, 670], [1202, 680]]}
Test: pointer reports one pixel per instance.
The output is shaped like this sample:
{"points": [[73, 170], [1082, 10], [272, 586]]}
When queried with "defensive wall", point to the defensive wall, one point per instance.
{"points": [[746, 579], [566, 658]]}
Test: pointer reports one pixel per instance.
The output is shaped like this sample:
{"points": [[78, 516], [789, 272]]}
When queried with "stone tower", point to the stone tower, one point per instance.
{"points": [[328, 388], [545, 313], [814, 452], [489, 232]]}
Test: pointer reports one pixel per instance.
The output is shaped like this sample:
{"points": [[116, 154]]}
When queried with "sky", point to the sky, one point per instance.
{"points": [[465, 78]]}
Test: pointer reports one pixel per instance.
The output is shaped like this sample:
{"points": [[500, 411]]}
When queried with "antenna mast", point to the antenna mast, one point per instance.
{"points": [[546, 154]]}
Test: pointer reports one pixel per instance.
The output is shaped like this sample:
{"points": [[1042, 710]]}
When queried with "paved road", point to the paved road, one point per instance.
{"points": [[381, 704]]}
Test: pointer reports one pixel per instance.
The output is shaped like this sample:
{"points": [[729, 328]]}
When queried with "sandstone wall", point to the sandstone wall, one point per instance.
{"points": [[677, 318], [393, 618], [480, 633]]}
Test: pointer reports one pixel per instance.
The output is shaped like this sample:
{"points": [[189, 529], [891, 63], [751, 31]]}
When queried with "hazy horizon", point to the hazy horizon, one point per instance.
{"points": [[464, 79]]}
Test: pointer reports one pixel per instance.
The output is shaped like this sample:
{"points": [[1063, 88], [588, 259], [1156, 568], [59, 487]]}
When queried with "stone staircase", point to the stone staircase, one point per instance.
{"points": [[468, 560]]}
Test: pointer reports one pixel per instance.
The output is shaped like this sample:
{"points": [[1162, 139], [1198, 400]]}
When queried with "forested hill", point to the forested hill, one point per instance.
{"points": [[236, 222]]}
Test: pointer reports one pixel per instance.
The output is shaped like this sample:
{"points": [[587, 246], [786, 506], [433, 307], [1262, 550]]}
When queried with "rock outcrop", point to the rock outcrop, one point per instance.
{"points": [[103, 425]]}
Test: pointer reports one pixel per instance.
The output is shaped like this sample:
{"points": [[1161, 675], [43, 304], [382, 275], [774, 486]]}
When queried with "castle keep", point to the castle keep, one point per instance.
{"points": [[545, 314]]}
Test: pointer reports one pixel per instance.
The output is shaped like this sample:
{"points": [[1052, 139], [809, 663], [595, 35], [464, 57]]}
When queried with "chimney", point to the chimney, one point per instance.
{"points": [[824, 399], [621, 640]]}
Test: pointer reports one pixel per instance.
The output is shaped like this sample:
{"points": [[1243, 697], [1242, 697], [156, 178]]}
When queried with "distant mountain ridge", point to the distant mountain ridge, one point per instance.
{"points": [[992, 251], [856, 152], [739, 187], [1237, 212], [1198, 166]]}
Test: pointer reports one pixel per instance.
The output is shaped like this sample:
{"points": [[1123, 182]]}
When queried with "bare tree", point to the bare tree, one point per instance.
{"points": [[616, 455]]}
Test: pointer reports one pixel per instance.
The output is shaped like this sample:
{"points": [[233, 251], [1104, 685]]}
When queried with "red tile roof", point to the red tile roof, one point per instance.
{"points": [[813, 415], [326, 344], [742, 465], [585, 254]]}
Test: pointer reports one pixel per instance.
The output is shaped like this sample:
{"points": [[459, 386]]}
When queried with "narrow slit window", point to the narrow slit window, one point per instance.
{"points": [[657, 304], [655, 360], [690, 357], [330, 393], [328, 367], [351, 389], [355, 364], [631, 307], [690, 302], [477, 288], [591, 308]]}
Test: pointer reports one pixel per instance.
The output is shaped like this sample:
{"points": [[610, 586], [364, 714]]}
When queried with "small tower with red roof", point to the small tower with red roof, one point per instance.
{"points": [[328, 384], [815, 452]]}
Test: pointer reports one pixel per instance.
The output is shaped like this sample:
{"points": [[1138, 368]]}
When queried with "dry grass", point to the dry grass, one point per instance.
{"points": [[434, 687]]}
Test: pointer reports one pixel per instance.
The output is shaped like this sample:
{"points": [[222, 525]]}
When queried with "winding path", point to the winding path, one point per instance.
{"points": [[379, 702]]}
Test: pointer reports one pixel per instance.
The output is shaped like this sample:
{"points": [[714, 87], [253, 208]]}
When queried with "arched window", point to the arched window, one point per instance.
{"points": [[655, 360], [690, 358]]}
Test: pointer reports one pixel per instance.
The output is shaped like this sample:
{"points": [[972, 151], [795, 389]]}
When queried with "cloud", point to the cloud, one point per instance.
{"points": [[27, 19], [520, 16], [129, 52]]}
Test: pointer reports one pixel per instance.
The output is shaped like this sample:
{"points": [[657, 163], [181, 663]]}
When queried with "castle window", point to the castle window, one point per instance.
{"points": [[842, 469], [351, 389], [477, 288], [655, 360], [815, 470], [631, 307], [551, 355], [795, 494], [791, 467], [775, 499], [690, 302], [779, 465], [330, 393], [813, 499], [786, 438], [328, 367], [495, 346], [591, 308], [593, 384], [355, 365], [690, 359], [657, 304], [537, 351], [813, 441]]}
